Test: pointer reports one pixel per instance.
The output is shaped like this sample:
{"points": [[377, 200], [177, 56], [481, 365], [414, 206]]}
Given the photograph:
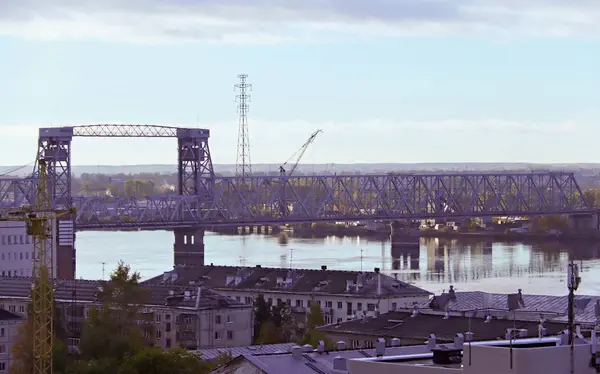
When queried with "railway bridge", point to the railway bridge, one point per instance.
{"points": [[204, 200]]}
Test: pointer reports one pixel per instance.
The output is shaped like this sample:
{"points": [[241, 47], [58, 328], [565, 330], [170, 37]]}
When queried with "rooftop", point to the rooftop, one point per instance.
{"points": [[307, 281], [5, 315], [211, 354], [87, 290], [587, 308], [310, 361], [403, 325]]}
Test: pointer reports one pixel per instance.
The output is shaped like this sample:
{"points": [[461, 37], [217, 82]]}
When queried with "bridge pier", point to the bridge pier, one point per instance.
{"points": [[406, 243], [188, 250], [583, 222]]}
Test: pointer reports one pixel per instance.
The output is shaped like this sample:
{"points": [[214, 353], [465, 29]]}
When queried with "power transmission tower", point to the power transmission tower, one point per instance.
{"points": [[243, 164]]}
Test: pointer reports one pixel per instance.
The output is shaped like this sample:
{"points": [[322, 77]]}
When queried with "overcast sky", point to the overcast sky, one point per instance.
{"points": [[387, 81]]}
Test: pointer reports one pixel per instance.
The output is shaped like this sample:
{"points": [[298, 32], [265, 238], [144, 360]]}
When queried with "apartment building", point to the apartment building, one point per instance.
{"points": [[409, 327], [191, 317], [9, 323], [342, 295], [16, 248]]}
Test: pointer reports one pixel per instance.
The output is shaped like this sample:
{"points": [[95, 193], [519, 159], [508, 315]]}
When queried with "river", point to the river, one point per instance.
{"points": [[474, 266]]}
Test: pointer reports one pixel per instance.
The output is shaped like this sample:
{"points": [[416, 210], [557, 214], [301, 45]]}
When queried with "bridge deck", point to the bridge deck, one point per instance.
{"points": [[277, 200]]}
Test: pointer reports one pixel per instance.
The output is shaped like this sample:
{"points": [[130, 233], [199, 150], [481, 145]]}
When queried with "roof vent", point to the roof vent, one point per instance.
{"points": [[297, 353], [323, 267], [459, 341], [341, 345], [340, 364], [395, 342], [259, 266], [376, 270], [414, 313], [307, 348], [380, 347], [432, 341], [488, 319]]}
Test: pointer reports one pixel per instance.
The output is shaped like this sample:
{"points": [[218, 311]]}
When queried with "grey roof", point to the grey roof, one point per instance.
{"points": [[210, 354], [312, 362], [552, 307], [5, 315], [86, 291], [287, 280], [403, 325]]}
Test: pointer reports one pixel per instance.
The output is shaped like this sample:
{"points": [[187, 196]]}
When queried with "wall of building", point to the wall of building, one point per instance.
{"points": [[8, 331], [367, 340], [336, 308], [16, 250]]}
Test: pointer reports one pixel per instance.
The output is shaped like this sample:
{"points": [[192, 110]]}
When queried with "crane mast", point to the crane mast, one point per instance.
{"points": [[39, 220]]}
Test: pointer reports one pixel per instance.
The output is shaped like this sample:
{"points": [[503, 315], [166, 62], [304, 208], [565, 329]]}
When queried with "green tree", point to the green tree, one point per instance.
{"points": [[113, 330], [157, 361], [262, 314], [314, 320]]}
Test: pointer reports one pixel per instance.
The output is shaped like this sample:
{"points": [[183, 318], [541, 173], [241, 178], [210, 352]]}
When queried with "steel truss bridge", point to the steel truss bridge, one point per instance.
{"points": [[205, 200]]}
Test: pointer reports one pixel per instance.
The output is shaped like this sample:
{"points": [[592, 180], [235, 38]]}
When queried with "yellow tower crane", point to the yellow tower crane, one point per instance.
{"points": [[39, 220]]}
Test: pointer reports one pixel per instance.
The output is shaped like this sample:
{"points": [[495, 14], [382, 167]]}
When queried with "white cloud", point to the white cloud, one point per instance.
{"points": [[273, 21]]}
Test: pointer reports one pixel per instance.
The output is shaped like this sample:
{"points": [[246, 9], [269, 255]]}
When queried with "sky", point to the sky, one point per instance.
{"points": [[386, 80]]}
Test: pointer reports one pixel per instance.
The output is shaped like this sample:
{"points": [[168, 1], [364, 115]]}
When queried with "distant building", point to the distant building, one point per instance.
{"points": [[9, 323], [16, 249], [342, 295], [191, 317]]}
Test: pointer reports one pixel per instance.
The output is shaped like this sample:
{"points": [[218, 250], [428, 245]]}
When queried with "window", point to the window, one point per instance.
{"points": [[270, 301], [27, 255], [158, 318], [368, 344], [21, 239], [355, 344], [3, 240], [2, 348], [248, 300], [229, 319], [299, 303], [319, 302], [394, 306], [229, 335], [12, 308], [329, 304], [340, 305], [371, 307], [218, 320], [1, 332], [21, 308], [288, 302], [358, 306], [10, 239], [217, 335], [21, 256], [339, 320], [2, 366], [238, 298], [158, 334]]}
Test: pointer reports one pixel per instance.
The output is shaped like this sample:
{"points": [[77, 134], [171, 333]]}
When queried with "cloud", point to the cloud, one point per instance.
{"points": [[274, 21]]}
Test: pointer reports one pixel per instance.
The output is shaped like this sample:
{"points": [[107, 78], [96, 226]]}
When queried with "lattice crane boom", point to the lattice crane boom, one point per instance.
{"points": [[298, 155], [39, 219]]}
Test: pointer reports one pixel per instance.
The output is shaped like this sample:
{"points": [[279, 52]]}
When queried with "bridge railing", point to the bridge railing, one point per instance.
{"points": [[273, 200]]}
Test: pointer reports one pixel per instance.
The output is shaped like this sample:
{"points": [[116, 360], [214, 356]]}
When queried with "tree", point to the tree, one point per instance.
{"points": [[262, 314], [314, 320], [113, 329], [156, 361], [284, 320], [22, 349]]}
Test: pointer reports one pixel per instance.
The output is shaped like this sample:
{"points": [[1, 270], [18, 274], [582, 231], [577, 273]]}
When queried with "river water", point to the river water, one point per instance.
{"points": [[475, 266]]}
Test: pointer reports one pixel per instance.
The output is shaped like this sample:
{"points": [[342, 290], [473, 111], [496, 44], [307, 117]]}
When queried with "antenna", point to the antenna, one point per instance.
{"points": [[103, 263], [361, 259], [573, 281], [243, 164], [291, 258]]}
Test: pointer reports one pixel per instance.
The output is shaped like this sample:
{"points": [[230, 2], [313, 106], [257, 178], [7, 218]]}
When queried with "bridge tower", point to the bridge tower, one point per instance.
{"points": [[196, 179], [54, 145]]}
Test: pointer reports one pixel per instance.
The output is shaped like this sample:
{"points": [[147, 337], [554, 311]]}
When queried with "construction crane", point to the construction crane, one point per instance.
{"points": [[298, 155], [39, 219]]}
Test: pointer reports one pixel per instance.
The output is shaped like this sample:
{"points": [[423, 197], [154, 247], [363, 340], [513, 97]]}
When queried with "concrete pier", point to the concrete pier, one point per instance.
{"points": [[188, 249]]}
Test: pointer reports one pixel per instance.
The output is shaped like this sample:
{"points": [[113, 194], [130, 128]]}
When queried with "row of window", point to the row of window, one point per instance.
{"points": [[14, 256], [13, 308], [192, 336], [16, 273], [187, 318], [15, 239]]}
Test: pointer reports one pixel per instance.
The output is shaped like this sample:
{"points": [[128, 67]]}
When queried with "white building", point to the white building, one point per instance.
{"points": [[342, 295], [16, 249], [9, 323]]}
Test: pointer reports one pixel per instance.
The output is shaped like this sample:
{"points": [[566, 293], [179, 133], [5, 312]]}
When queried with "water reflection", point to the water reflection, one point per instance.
{"points": [[433, 264]]}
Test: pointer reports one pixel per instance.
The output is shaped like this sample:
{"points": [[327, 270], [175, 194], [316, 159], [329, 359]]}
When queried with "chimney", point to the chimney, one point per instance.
{"points": [[432, 341], [307, 348], [469, 336], [297, 353], [378, 281], [341, 345], [452, 293], [380, 347], [349, 284], [323, 267], [321, 346], [459, 341], [259, 266], [395, 342]]}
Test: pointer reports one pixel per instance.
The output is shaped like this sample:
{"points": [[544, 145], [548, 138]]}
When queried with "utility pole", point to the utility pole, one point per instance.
{"points": [[243, 166], [573, 281]]}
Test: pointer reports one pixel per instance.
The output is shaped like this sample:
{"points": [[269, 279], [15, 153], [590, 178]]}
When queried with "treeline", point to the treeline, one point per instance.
{"points": [[142, 184], [116, 338]]}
